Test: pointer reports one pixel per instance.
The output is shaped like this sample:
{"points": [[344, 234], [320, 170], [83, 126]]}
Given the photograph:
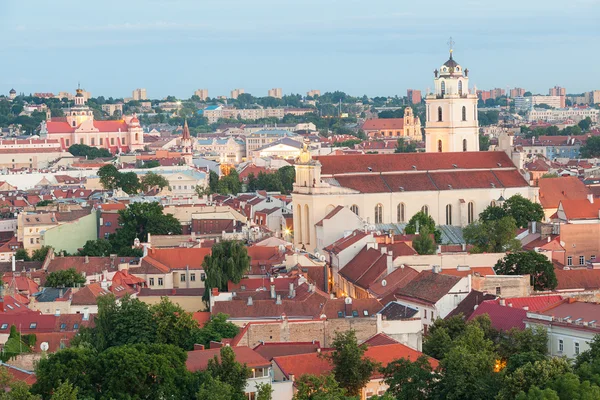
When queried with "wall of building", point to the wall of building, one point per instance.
{"points": [[72, 235], [580, 240], [188, 303], [503, 285], [448, 261]]}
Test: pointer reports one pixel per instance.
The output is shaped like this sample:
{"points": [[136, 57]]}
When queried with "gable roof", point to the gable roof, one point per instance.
{"points": [[428, 287], [330, 215], [470, 303], [346, 242], [365, 268], [280, 349], [533, 303], [553, 190], [197, 360], [180, 258], [503, 318], [481, 271], [580, 209], [395, 311], [376, 124], [388, 284]]}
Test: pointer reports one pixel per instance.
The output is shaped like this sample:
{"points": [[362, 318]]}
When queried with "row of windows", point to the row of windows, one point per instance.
{"points": [[192, 277], [581, 260], [561, 346], [441, 114], [401, 212]]}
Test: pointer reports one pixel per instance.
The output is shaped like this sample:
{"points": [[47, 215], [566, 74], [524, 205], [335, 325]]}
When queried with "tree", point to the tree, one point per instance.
{"points": [[540, 374], [523, 210], [410, 380], [350, 367], [228, 261], [140, 219], [311, 387], [421, 220], [217, 329], [65, 278], [18, 391], [81, 150], [229, 371], [494, 236], [213, 180], [591, 147], [535, 264], [151, 164], [128, 182], [174, 325], [214, 389], [109, 176], [264, 391], [96, 248], [424, 243], [405, 147], [493, 213], [40, 254], [585, 124], [535, 393], [152, 180], [21, 254], [66, 391]]}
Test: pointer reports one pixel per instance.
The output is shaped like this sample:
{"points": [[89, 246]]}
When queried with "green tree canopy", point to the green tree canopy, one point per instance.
{"points": [[229, 371], [492, 236], [228, 261], [81, 150], [521, 209], [421, 220], [404, 146], [410, 380], [424, 243], [535, 264], [311, 387], [153, 181], [65, 278], [109, 176]]}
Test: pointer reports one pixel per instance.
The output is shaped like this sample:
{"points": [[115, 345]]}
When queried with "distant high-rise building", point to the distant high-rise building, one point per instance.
{"points": [[414, 96], [276, 92], [559, 91], [313, 93], [139, 94], [484, 95], [202, 93], [495, 93], [517, 92], [236, 92]]}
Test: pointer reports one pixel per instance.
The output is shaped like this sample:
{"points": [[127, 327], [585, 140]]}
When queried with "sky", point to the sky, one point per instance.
{"points": [[374, 47]]}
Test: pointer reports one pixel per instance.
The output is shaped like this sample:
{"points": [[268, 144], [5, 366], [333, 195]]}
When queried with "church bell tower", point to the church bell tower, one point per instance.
{"points": [[452, 123]]}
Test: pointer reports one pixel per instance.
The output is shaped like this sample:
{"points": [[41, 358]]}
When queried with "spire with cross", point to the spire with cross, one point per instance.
{"points": [[451, 44]]}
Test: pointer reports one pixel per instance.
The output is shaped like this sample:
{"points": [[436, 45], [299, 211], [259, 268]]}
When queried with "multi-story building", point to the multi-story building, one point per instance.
{"points": [[275, 92], [79, 127], [551, 147], [407, 127], [111, 109], [517, 92], [560, 92], [227, 150], [313, 93], [556, 115], [215, 113], [236, 92], [495, 93], [527, 103], [139, 94], [202, 93], [414, 96], [29, 153], [264, 137]]}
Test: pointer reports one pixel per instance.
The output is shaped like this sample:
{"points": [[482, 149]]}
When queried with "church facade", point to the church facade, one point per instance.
{"points": [[79, 127], [452, 182]]}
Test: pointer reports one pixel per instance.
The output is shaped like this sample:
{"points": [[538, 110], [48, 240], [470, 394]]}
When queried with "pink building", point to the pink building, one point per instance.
{"points": [[79, 127], [414, 96], [559, 91], [517, 92]]}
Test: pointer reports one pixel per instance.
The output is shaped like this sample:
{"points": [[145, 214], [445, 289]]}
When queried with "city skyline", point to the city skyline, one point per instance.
{"points": [[297, 47]]}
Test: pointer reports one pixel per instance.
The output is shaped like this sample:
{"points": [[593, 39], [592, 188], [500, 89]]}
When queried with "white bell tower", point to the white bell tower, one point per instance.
{"points": [[451, 123]]}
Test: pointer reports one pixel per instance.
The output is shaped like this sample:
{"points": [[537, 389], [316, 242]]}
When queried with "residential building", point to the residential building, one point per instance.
{"points": [[215, 113], [451, 123], [408, 127], [575, 114], [414, 96], [285, 148], [182, 180], [571, 326], [275, 92], [79, 127], [236, 92], [554, 190], [528, 103], [560, 92], [226, 151], [30, 153], [113, 109], [139, 94], [108, 221], [264, 137], [313, 93], [551, 147], [190, 299], [202, 93], [517, 92], [579, 229], [172, 268]]}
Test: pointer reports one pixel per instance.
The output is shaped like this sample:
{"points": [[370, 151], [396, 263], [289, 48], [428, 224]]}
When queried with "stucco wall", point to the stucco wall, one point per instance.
{"points": [[71, 236]]}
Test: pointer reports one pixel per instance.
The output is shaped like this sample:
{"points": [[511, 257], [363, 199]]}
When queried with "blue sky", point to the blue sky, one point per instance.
{"points": [[375, 47]]}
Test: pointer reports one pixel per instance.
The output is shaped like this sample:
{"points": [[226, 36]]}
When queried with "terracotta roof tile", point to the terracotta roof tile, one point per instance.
{"points": [[470, 303], [383, 123], [280, 349], [503, 318], [580, 209], [428, 286], [481, 271], [588, 279], [553, 190], [180, 258], [197, 360], [345, 242]]}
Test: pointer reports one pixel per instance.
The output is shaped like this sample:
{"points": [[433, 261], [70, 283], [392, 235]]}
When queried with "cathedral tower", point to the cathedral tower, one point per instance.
{"points": [[452, 123]]}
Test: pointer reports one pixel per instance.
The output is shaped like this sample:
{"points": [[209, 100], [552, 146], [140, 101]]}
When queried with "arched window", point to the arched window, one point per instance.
{"points": [[425, 210], [460, 88], [439, 114], [464, 113], [308, 227], [443, 88], [298, 226], [401, 211], [470, 212], [464, 144], [379, 213], [74, 123], [439, 146], [354, 209], [137, 137], [449, 214]]}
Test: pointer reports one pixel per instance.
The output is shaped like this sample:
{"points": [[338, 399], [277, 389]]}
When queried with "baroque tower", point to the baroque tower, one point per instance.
{"points": [[452, 123]]}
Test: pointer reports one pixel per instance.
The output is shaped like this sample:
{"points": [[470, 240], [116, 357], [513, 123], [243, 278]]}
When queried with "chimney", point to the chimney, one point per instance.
{"points": [[526, 308], [145, 247], [502, 302], [250, 300], [14, 265], [215, 292], [292, 377], [590, 198], [291, 291], [549, 239], [198, 347], [383, 249], [87, 260], [278, 301], [273, 294], [390, 262]]}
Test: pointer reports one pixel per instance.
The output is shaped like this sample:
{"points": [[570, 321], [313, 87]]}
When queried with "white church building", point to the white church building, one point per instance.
{"points": [[452, 181]]}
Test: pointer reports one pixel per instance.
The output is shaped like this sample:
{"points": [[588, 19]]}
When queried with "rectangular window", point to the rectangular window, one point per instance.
{"points": [[498, 290], [355, 313], [151, 281], [561, 345], [581, 260], [160, 281], [182, 277], [593, 257], [122, 140], [202, 276], [33, 325], [569, 260], [101, 141], [576, 348], [192, 277], [112, 141], [432, 315]]}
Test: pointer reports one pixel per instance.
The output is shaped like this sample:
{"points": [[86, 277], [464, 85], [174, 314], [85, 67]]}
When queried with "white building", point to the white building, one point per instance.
{"points": [[226, 150], [556, 115], [451, 123]]}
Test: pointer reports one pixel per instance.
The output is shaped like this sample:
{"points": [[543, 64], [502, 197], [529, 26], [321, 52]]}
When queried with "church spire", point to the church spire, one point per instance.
{"points": [[186, 131]]}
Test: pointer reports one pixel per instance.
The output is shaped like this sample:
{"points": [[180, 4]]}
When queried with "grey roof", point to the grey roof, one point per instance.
{"points": [[287, 141], [395, 311], [49, 294]]}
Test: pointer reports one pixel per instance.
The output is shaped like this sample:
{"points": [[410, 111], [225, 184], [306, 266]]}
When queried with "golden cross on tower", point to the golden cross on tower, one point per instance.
{"points": [[451, 45]]}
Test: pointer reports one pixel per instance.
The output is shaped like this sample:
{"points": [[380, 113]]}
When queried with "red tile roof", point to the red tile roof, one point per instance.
{"points": [[422, 162], [198, 359], [553, 190], [377, 124], [399, 278], [482, 271], [534, 303], [102, 126], [380, 339], [330, 215], [503, 318], [368, 265], [280, 349], [580, 209], [201, 317], [345, 242], [180, 258], [20, 375], [428, 287], [574, 279]]}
